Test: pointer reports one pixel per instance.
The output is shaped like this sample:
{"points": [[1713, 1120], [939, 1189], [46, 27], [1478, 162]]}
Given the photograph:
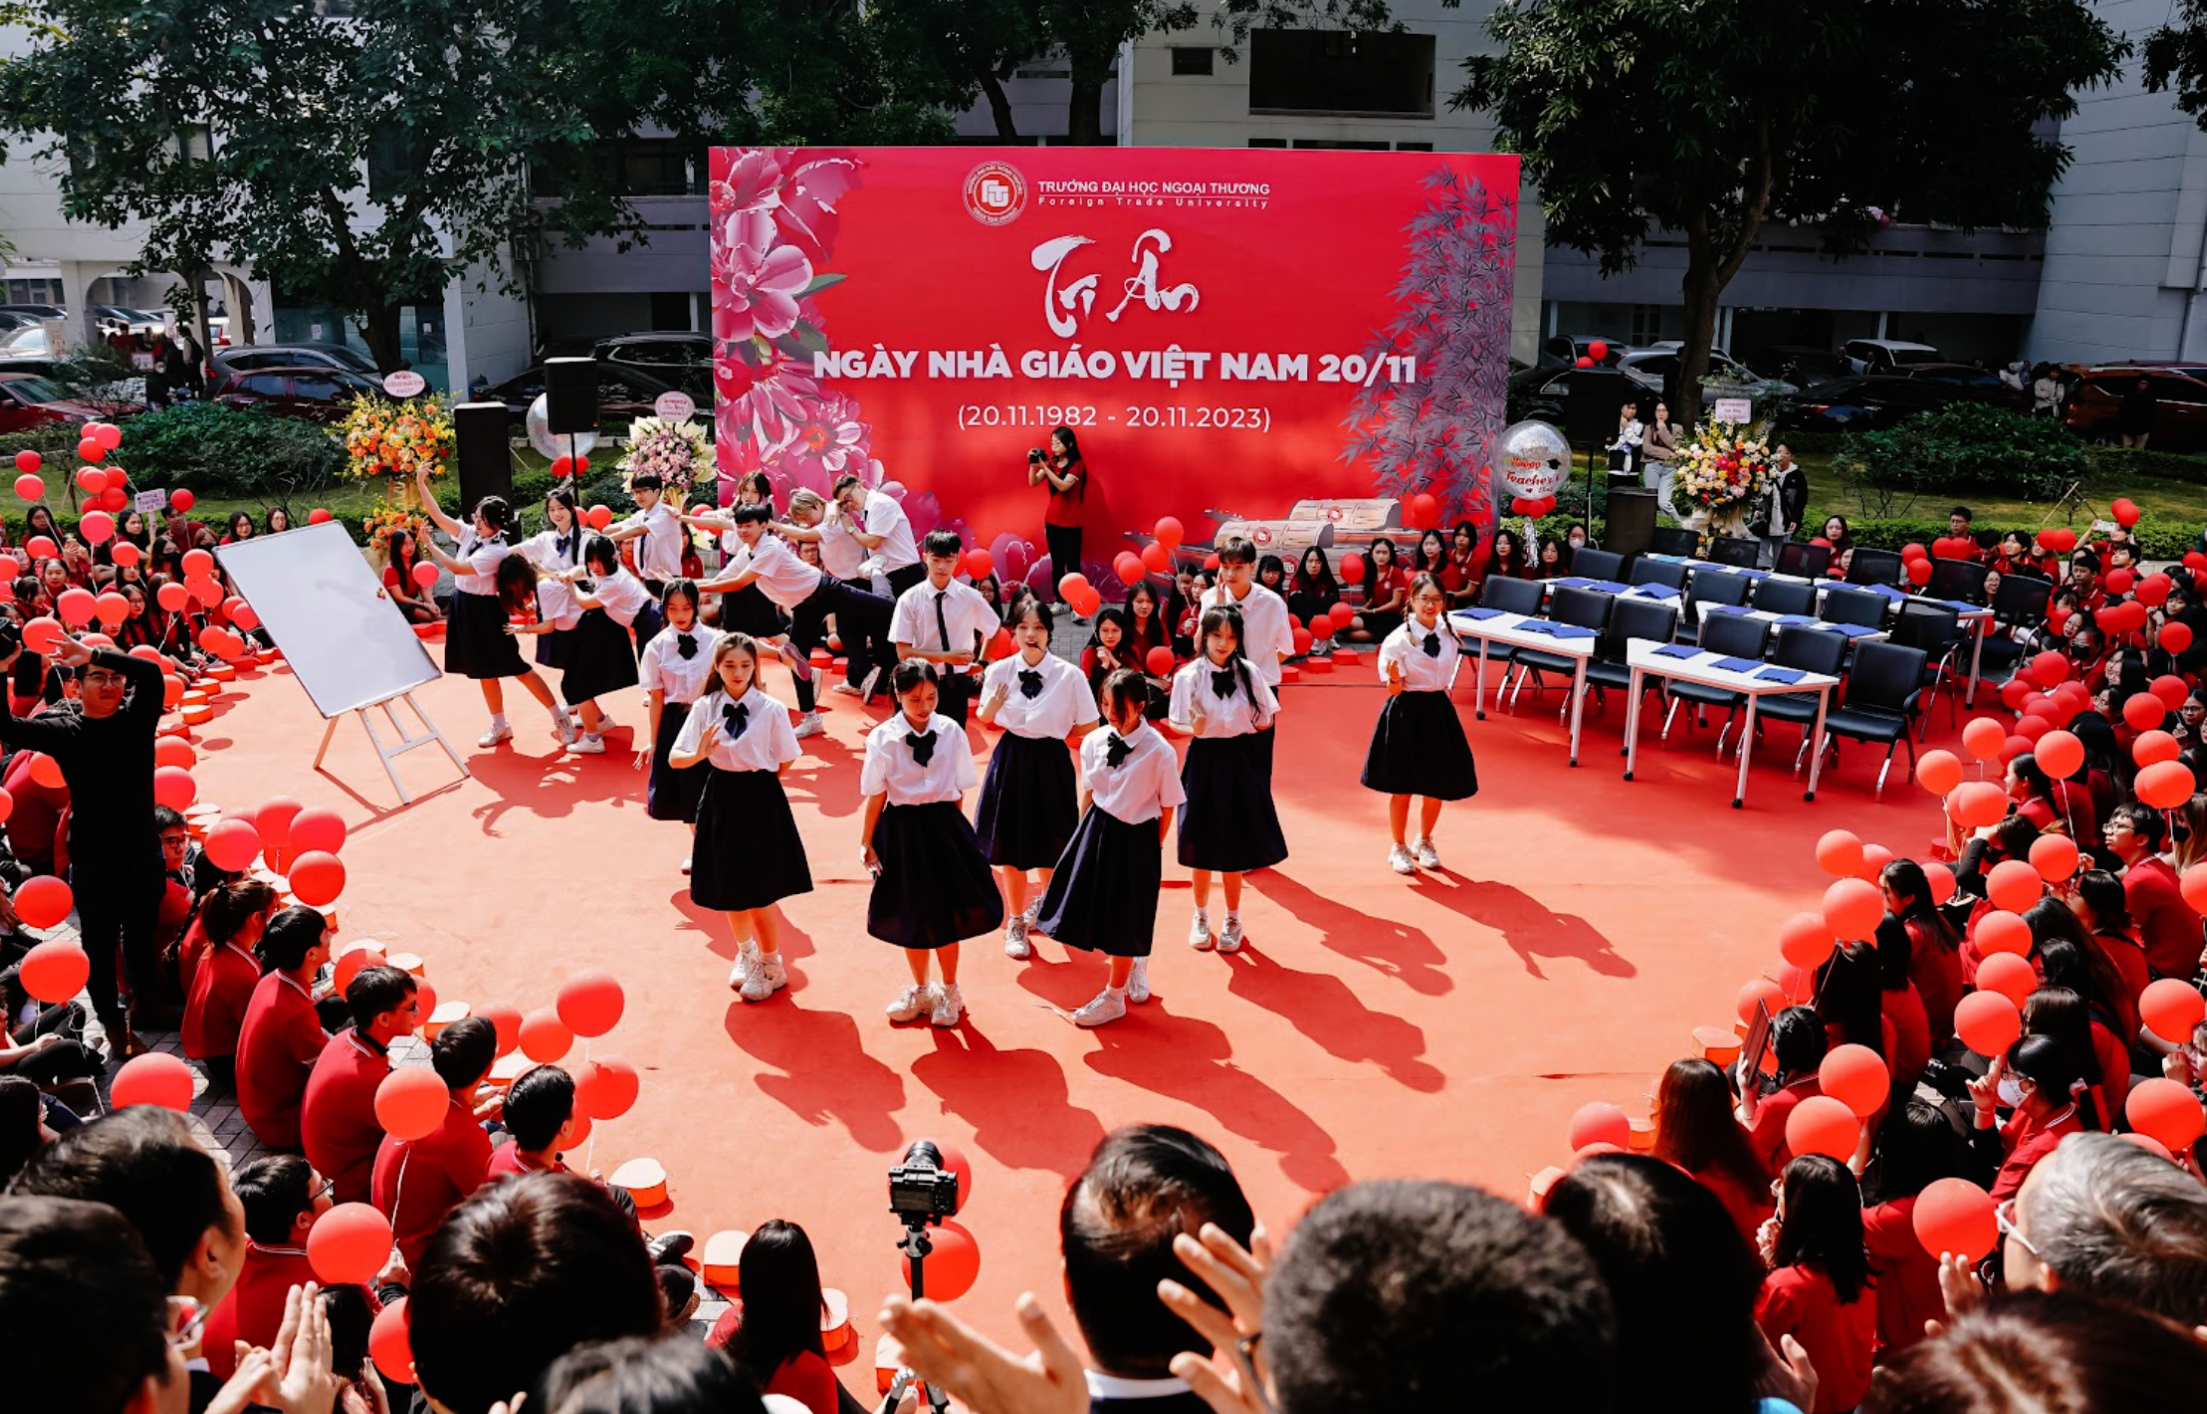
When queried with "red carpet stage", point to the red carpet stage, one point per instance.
{"points": [[1374, 1025]]}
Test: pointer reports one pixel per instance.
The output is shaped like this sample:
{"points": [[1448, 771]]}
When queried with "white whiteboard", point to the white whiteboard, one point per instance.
{"points": [[345, 640]]}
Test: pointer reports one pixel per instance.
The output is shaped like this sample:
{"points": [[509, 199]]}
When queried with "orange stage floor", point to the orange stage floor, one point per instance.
{"points": [[1373, 1026]]}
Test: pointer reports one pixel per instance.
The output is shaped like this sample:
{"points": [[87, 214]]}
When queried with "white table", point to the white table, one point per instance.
{"points": [[1642, 656], [1510, 629], [1856, 632]]}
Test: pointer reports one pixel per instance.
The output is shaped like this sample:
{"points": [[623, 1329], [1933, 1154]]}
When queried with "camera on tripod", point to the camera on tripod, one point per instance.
{"points": [[922, 1190]]}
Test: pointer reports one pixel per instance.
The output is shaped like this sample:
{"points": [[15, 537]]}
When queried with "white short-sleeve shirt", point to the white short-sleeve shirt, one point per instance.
{"points": [[884, 517], [1421, 671], [483, 558], [623, 595], [551, 553], [1266, 637], [840, 555], [787, 580], [663, 666], [1233, 714], [1144, 783], [966, 613], [659, 552], [893, 765], [1059, 704], [767, 742]]}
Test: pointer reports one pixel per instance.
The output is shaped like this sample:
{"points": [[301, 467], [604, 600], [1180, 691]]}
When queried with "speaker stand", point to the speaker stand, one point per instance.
{"points": [[406, 742]]}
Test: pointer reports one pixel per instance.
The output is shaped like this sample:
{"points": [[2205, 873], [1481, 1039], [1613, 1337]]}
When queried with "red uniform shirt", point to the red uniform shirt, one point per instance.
{"points": [[1907, 1276], [417, 1184], [507, 1161], [254, 1309], [277, 1046], [338, 1123], [1910, 1029], [2027, 1143], [1768, 1133], [1936, 970], [1065, 507], [2129, 960], [2165, 922], [215, 1003], [1840, 1338]]}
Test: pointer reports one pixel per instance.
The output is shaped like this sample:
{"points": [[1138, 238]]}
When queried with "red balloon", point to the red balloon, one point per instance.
{"points": [[28, 462], [1939, 772], [30, 488], [2165, 1111], [318, 830], [1599, 1122], [1913, 551], [245, 618], [410, 1103], [1425, 507], [2003, 932], [1823, 1125], [232, 845], [349, 1244], [505, 1018], [355, 960], [1156, 558], [1352, 569], [544, 1037], [173, 597], [2171, 689], [1168, 532], [114, 498], [2171, 1008], [1988, 1022], [76, 606], [2054, 857], [40, 547], [605, 1089], [2165, 785], [317, 878], [1129, 567], [182, 500], [1211, 562], [590, 1003], [317, 515], [2049, 668], [2152, 748], [43, 901], [1839, 854], [1805, 940], [47, 771], [1919, 572], [2124, 510], [391, 1344], [1000, 647], [198, 564], [954, 1264], [91, 451], [1582, 361], [1954, 1216], [2014, 885], [1159, 659], [174, 788], [1982, 738], [1599, 348], [598, 517], [2011, 976], [274, 821], [53, 972], [978, 563], [98, 527], [2143, 711], [2175, 637], [1941, 880], [1976, 804], [1874, 859], [2119, 582], [1856, 1077], [1853, 908], [956, 1163], [2153, 590], [155, 1078], [1762, 991], [2060, 753]]}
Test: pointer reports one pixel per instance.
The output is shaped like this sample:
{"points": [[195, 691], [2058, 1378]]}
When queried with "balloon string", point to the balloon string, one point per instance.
{"points": [[398, 1194]]}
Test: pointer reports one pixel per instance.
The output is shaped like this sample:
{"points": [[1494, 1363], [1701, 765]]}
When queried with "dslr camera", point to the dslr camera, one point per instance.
{"points": [[1034, 454], [921, 1190]]}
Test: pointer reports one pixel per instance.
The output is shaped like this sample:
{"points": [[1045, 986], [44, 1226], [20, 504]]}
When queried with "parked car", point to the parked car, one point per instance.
{"points": [[28, 401], [1885, 355], [1977, 385], [1805, 365], [1864, 404], [1652, 368], [115, 318], [231, 364], [623, 393], [2180, 405], [1565, 350], [684, 360], [36, 311], [318, 394]]}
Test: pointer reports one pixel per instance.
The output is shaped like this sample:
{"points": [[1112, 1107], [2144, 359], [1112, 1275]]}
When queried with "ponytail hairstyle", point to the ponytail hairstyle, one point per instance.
{"points": [[2061, 1012], [516, 581], [1228, 617], [2052, 1065], [495, 511], [1422, 580]]}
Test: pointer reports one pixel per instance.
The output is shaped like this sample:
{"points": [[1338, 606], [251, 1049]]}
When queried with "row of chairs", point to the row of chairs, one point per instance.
{"points": [[1962, 580]]}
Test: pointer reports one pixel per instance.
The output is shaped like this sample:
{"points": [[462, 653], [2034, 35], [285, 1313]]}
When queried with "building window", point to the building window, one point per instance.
{"points": [[1647, 323], [1338, 71], [1413, 147], [1189, 60], [1338, 145], [1268, 142]]}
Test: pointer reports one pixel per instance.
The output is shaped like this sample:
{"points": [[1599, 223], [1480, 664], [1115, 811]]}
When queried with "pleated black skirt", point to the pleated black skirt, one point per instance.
{"points": [[748, 610], [555, 649], [1030, 802], [748, 853], [934, 888], [1103, 897], [1228, 823], [604, 659], [476, 644], [670, 794], [1418, 748]]}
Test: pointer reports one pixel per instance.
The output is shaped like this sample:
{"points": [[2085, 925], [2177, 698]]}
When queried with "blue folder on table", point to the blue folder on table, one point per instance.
{"points": [[1570, 631], [1678, 650], [1784, 675], [1796, 620], [1738, 665], [1655, 591], [1885, 589], [1476, 612], [1730, 609]]}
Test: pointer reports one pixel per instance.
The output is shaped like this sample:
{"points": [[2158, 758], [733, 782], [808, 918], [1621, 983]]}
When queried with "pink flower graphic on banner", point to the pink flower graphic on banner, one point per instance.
{"points": [[755, 290], [800, 196], [829, 438], [762, 394]]}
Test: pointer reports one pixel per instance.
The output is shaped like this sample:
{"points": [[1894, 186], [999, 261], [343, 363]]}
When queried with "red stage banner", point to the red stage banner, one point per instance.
{"points": [[1227, 332]]}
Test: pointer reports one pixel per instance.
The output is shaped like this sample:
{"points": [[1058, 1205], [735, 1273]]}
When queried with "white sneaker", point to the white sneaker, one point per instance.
{"points": [[1229, 937], [1399, 860], [1199, 933], [747, 962], [565, 729], [810, 725], [590, 744], [686, 863], [1137, 982], [499, 731], [1015, 938], [846, 689], [1428, 856], [873, 680], [767, 978], [1104, 1008], [914, 999], [949, 1006]]}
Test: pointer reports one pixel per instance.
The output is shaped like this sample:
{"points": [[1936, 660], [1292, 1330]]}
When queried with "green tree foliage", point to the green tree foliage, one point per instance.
{"points": [[1709, 119]]}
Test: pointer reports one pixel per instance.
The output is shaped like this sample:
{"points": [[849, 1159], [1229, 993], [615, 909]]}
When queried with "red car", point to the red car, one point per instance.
{"points": [[316, 394], [28, 401]]}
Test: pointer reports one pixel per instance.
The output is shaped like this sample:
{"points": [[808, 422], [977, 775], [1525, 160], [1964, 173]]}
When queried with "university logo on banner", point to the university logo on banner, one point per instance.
{"points": [[995, 193]]}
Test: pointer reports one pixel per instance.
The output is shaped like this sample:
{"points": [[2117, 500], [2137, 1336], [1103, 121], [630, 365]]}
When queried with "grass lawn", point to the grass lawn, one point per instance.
{"points": [[1832, 493]]}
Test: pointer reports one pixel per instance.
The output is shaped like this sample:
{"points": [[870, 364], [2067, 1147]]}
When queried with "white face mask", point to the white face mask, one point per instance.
{"points": [[2011, 1091]]}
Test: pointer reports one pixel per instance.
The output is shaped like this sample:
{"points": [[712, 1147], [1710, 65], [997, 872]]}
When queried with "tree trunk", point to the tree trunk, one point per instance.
{"points": [[1084, 112], [1000, 107], [1701, 291], [379, 326], [201, 333]]}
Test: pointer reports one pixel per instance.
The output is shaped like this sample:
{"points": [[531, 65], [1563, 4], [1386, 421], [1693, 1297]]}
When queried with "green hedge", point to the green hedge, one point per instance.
{"points": [[222, 451], [56, 443], [1966, 447], [2160, 538]]}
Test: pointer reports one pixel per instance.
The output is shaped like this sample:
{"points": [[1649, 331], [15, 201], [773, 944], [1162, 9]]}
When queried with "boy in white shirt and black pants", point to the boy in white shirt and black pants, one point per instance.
{"points": [[807, 593], [879, 523], [947, 623], [659, 557]]}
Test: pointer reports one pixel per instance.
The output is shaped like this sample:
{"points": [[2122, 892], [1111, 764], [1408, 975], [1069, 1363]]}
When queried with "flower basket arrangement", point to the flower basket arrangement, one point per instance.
{"points": [[1723, 471], [675, 452], [391, 439]]}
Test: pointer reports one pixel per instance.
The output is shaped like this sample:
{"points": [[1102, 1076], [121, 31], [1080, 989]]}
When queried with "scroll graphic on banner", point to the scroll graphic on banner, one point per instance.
{"points": [[1249, 329]]}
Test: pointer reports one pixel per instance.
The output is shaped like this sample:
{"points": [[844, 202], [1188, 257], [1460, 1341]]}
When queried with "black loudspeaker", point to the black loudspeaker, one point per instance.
{"points": [[571, 395], [1629, 522], [479, 445], [1590, 412]]}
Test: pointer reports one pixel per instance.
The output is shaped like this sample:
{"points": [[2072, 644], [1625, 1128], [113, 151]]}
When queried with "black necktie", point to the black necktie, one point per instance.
{"points": [[736, 716], [1222, 682], [942, 626], [1432, 645], [686, 645], [1030, 683], [923, 747], [1116, 751]]}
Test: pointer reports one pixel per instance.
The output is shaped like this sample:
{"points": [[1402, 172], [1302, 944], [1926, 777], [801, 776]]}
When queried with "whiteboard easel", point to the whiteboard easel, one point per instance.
{"points": [[407, 741]]}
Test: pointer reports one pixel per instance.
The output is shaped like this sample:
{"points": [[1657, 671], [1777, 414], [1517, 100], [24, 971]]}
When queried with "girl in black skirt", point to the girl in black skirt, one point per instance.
{"points": [[553, 551], [603, 658], [476, 642], [1418, 748], [932, 888], [677, 666], [1103, 896], [1027, 810], [1229, 825], [747, 856]]}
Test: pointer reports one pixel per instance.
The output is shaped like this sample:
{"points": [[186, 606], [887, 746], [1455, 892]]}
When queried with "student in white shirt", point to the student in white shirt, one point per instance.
{"points": [[1268, 638], [676, 670], [809, 595], [747, 856], [1103, 895], [553, 551], [1027, 811], [659, 525], [1418, 745], [1230, 826], [932, 887], [476, 642], [815, 521], [879, 523], [947, 623], [749, 610], [604, 656]]}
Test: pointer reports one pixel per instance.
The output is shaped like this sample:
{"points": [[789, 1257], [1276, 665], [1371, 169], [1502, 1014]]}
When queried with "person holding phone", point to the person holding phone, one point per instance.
{"points": [[1061, 466]]}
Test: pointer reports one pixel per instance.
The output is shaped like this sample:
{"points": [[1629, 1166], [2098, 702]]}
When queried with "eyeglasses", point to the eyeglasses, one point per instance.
{"points": [[187, 1322], [104, 679], [329, 1186]]}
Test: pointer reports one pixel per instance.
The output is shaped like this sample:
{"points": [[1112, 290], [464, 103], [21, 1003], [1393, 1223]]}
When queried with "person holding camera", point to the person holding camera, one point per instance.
{"points": [[1067, 476]]}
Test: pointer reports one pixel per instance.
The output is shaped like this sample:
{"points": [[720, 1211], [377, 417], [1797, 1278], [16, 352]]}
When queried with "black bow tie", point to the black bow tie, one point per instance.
{"points": [[1222, 682], [565, 544], [923, 747], [736, 716], [1116, 751], [1432, 645], [686, 645], [1030, 683]]}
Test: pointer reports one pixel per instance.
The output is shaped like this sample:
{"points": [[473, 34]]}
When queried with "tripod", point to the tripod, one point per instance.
{"points": [[915, 1246]]}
